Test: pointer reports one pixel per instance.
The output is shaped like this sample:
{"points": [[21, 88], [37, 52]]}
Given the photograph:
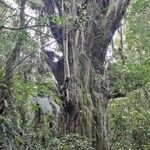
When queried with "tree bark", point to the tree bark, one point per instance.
{"points": [[84, 109]]}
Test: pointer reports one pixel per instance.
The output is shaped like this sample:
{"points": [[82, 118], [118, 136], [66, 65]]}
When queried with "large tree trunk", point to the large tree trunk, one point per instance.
{"points": [[84, 108]]}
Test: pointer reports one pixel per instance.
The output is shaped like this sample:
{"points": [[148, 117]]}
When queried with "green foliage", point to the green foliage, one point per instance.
{"points": [[22, 89], [138, 33], [74, 142], [129, 121], [129, 116], [23, 35], [66, 21], [128, 77], [136, 70]]}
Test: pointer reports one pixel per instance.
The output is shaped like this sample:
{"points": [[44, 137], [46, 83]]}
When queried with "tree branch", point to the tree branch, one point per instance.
{"points": [[21, 28], [6, 5], [113, 17]]}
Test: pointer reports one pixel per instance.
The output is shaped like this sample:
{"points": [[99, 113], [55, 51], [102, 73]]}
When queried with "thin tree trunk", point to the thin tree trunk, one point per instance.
{"points": [[5, 99], [6, 87]]}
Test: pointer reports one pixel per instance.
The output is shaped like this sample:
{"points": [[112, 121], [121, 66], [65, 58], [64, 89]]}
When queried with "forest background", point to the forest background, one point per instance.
{"points": [[104, 48]]}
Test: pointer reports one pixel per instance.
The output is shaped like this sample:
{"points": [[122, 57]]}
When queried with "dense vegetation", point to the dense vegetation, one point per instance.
{"points": [[30, 100]]}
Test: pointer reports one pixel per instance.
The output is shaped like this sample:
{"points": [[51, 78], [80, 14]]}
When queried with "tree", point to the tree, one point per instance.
{"points": [[83, 30], [5, 97]]}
